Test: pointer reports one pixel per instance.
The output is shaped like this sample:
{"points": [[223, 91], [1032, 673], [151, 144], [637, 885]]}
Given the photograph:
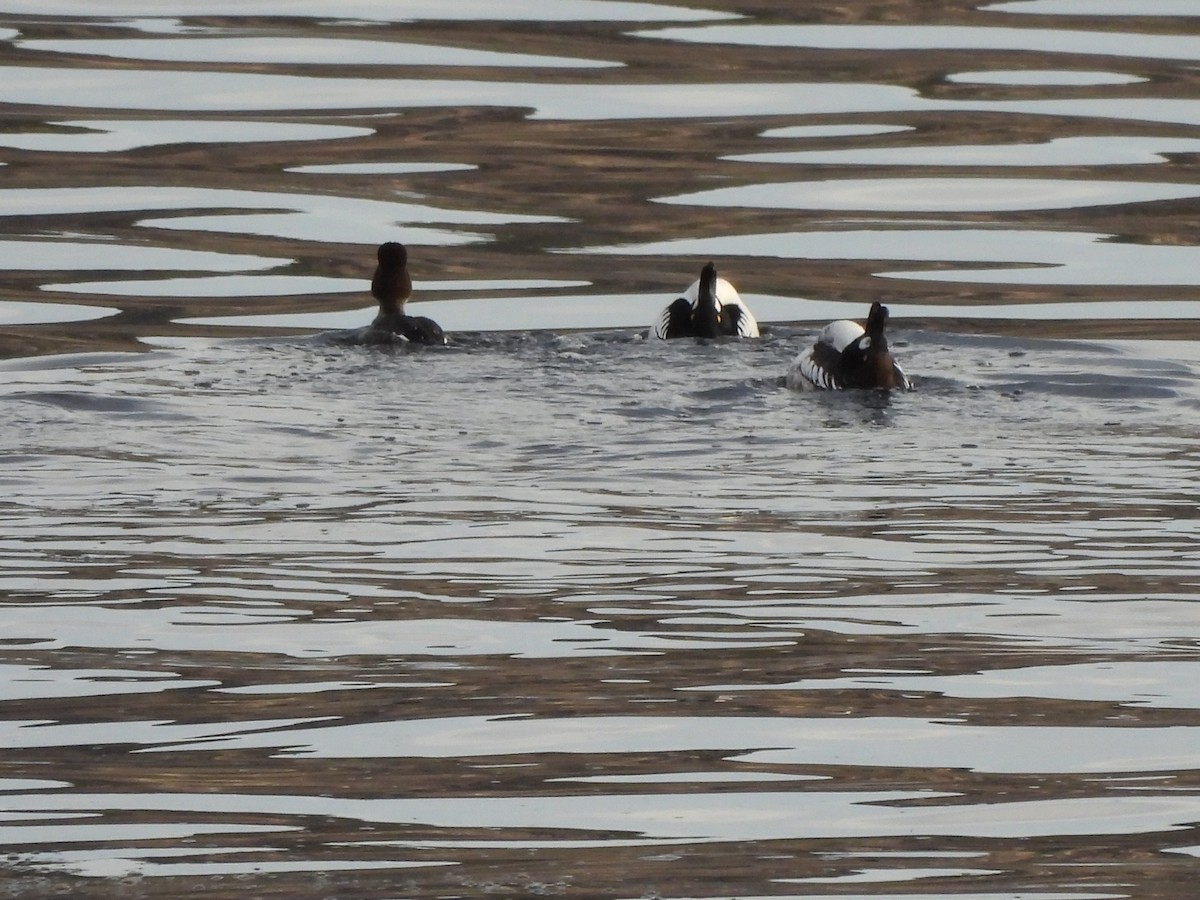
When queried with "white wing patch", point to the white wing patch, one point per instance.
{"points": [[840, 334], [658, 327], [807, 372], [727, 295]]}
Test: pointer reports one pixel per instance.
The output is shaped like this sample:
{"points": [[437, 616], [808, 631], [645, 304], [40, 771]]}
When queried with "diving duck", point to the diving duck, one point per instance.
{"points": [[392, 286], [847, 355], [709, 308]]}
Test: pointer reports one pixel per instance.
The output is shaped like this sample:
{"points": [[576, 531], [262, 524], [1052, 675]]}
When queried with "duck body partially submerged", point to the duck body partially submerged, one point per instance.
{"points": [[391, 285], [847, 355], [709, 308]]}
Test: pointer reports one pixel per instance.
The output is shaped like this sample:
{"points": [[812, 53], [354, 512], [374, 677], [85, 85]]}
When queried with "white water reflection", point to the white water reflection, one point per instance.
{"points": [[305, 51], [1166, 684], [140, 863], [312, 217], [16, 312], [828, 131], [937, 194], [289, 286], [110, 136], [1137, 8], [1044, 78], [701, 817], [321, 687], [999, 256], [940, 37], [890, 876], [18, 733], [375, 10], [126, 834], [383, 168], [229, 91], [221, 286], [99, 255], [19, 682], [1096, 623], [232, 91], [777, 740], [157, 25], [277, 630], [1097, 150]]}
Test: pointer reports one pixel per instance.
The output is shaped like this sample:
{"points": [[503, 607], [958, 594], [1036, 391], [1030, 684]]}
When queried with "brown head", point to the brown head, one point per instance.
{"points": [[879, 367], [391, 284]]}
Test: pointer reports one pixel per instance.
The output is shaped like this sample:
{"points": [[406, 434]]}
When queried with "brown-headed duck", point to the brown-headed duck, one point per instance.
{"points": [[392, 286], [847, 355]]}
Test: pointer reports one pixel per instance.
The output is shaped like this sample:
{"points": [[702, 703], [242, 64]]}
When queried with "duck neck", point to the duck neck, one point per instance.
{"points": [[881, 370], [390, 306], [707, 317], [391, 288]]}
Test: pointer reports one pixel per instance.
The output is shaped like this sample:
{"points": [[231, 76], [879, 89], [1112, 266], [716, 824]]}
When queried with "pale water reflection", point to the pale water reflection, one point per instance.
{"points": [[309, 52], [924, 195], [114, 136], [1024, 257], [1096, 7], [17, 313], [383, 168], [1132, 683], [66, 252], [315, 217], [1047, 78], [242, 286], [555, 610], [941, 37], [376, 10], [1091, 151]]}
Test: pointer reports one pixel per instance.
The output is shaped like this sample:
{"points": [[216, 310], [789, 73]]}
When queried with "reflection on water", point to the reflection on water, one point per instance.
{"points": [[556, 610], [1047, 78], [1092, 151], [314, 51], [313, 217], [941, 37], [1097, 7], [376, 10], [100, 136], [16, 313], [939, 194], [1024, 257]]}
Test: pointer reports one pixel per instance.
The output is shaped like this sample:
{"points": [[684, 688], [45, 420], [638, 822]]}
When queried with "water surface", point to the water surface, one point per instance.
{"points": [[556, 610]]}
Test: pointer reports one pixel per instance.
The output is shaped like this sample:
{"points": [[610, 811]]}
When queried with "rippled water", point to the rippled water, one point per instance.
{"points": [[555, 610]]}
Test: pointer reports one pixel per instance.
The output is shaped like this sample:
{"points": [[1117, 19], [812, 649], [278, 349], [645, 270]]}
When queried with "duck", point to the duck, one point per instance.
{"points": [[709, 308], [392, 286], [849, 355]]}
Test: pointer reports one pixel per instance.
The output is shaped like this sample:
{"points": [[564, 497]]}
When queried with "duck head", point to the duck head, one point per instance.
{"points": [[879, 369], [391, 284]]}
